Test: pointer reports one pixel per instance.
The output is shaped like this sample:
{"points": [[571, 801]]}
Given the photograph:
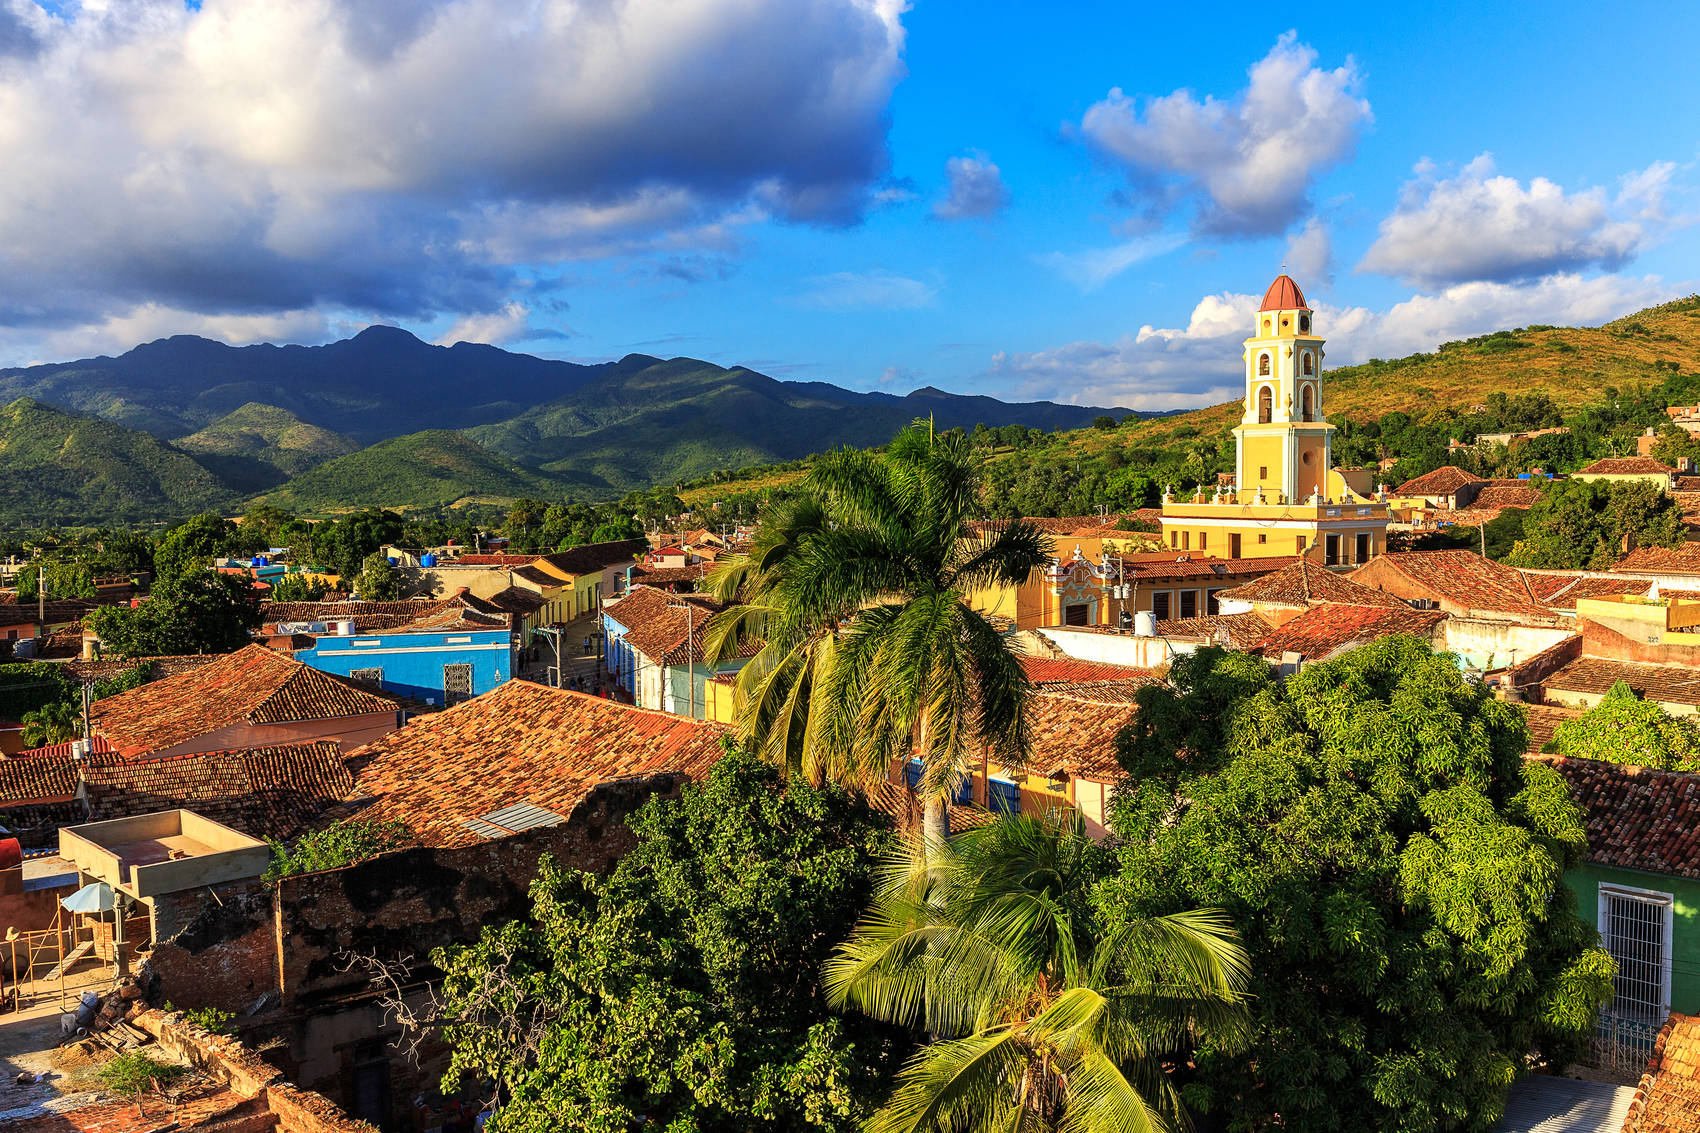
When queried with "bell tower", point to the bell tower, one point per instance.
{"points": [[1283, 440]]}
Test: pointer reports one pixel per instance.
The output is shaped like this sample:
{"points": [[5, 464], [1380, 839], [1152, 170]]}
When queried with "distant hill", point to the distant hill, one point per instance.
{"points": [[664, 421], [422, 470], [64, 468], [257, 447]]}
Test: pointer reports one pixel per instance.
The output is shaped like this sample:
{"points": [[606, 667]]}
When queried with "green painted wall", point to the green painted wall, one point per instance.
{"points": [[1585, 881]]}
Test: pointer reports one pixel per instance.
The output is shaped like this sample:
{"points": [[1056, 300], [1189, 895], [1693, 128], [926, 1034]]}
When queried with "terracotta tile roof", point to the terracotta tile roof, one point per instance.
{"points": [[1684, 559], [661, 576], [1331, 627], [368, 617], [1560, 591], [1240, 629], [1467, 580], [253, 685], [98, 746], [517, 601], [656, 625], [158, 667], [1635, 817], [592, 557], [1543, 721], [521, 743], [1443, 481], [536, 575], [898, 803], [1074, 727], [268, 792], [1305, 583], [1687, 484], [1667, 684], [1495, 497], [1626, 466], [1052, 670], [1083, 526], [1668, 1097], [488, 560], [37, 779]]}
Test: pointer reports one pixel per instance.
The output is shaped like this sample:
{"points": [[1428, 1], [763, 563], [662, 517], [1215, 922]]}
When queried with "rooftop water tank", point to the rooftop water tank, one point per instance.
{"points": [[428, 560], [393, 561], [262, 560], [1145, 624]]}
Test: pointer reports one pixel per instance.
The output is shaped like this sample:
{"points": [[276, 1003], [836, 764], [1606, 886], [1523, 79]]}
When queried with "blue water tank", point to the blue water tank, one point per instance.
{"points": [[1522, 475], [427, 559], [262, 560], [394, 561]]}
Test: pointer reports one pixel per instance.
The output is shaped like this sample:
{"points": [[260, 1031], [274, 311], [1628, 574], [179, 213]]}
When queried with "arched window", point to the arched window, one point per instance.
{"points": [[1310, 363], [1265, 403], [1308, 402], [1263, 365]]}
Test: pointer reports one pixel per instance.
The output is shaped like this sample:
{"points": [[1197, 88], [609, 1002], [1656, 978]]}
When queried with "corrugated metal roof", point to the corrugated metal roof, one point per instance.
{"points": [[1542, 1103]]}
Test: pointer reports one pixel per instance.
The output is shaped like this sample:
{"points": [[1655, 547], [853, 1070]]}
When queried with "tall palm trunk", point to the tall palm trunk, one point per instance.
{"points": [[935, 821]]}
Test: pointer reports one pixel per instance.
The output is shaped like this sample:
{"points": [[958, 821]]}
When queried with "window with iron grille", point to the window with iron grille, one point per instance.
{"points": [[367, 676], [457, 684], [1635, 925]]}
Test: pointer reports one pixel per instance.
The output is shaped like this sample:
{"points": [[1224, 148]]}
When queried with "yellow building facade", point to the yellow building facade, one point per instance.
{"points": [[1287, 498]]}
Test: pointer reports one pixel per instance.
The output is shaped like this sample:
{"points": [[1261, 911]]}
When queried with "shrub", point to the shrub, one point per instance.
{"points": [[345, 843]]}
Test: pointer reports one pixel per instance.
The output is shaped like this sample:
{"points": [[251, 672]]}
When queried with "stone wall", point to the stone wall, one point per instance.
{"points": [[224, 951]]}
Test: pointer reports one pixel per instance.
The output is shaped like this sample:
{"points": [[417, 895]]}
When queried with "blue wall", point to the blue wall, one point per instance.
{"points": [[620, 659], [412, 663]]}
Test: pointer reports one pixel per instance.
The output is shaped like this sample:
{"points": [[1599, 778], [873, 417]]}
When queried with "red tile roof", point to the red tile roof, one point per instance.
{"points": [[1560, 591], [1443, 481], [657, 627], [1667, 1100], [1496, 497], [1073, 728], [1635, 817], [1052, 670], [1145, 569], [500, 560], [661, 576], [1239, 629], [98, 746], [254, 685], [521, 743], [38, 779], [1543, 721], [1465, 579], [1305, 583], [1683, 559], [1329, 628], [1666, 684], [1284, 295], [269, 792], [588, 558], [1627, 466]]}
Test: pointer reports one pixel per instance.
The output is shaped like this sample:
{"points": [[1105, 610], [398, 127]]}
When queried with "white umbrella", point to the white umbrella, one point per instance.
{"points": [[95, 897]]}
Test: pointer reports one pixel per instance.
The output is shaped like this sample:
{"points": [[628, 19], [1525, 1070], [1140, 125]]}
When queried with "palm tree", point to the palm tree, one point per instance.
{"points": [[871, 652], [1040, 1021]]}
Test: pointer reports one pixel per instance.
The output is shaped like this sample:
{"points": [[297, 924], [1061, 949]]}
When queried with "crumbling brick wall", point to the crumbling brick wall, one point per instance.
{"points": [[225, 955]]}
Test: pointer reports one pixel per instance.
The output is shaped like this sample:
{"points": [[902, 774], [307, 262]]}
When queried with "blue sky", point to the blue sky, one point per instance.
{"points": [[1078, 202]]}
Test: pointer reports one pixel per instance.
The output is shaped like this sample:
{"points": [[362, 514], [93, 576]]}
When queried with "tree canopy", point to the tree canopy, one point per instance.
{"points": [[1043, 1020], [1584, 524], [200, 612], [1395, 869], [1623, 728], [682, 991]]}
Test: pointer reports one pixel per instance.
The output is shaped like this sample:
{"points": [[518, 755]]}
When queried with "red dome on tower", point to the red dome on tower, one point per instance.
{"points": [[1284, 295]]}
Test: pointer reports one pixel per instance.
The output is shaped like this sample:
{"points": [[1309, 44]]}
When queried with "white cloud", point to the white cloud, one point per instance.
{"points": [[1482, 225], [511, 323], [1091, 268], [1248, 161], [865, 290], [974, 189], [1202, 364], [401, 159], [1310, 252], [146, 322]]}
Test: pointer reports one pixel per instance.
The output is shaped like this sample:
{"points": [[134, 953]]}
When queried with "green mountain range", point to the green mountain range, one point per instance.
{"points": [[63, 468], [258, 447], [421, 470]]}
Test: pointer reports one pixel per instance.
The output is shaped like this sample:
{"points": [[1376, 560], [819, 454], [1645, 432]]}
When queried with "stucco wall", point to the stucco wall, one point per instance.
{"points": [[1585, 881]]}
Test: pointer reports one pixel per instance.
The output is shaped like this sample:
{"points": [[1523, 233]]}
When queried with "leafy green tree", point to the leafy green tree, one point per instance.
{"points": [[193, 613], [1583, 524], [379, 580], [26, 686], [344, 843], [682, 991], [51, 724], [1395, 868], [1043, 1020], [64, 580], [298, 588], [1103, 421], [1623, 728], [871, 651], [191, 546]]}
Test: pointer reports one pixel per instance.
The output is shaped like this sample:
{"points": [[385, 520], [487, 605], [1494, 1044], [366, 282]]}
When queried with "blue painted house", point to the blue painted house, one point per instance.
{"points": [[439, 666]]}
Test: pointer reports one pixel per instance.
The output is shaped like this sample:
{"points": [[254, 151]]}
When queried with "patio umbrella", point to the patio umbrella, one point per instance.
{"points": [[95, 897]]}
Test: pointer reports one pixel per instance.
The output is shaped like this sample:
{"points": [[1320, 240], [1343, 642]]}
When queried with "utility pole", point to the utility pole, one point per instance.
{"points": [[88, 700], [41, 599]]}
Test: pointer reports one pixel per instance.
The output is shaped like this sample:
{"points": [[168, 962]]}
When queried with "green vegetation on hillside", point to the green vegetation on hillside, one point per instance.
{"points": [[422, 470], [257, 447], [63, 469]]}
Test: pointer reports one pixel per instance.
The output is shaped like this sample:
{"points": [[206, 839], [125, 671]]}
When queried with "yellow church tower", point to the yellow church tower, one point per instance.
{"points": [[1287, 498]]}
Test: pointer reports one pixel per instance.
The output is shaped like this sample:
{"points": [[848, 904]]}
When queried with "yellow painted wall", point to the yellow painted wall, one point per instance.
{"points": [[1265, 453]]}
